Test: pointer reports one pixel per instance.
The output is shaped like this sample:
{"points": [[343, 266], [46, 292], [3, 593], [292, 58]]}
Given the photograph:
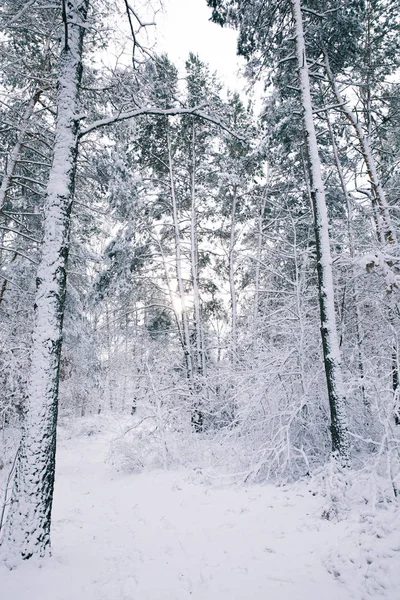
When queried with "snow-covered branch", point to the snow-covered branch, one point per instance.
{"points": [[196, 111]]}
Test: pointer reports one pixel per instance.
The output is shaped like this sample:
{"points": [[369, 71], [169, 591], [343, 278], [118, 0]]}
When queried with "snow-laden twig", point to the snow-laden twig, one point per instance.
{"points": [[196, 111]]}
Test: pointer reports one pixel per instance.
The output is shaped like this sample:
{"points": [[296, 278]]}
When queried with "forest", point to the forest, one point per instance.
{"points": [[201, 281]]}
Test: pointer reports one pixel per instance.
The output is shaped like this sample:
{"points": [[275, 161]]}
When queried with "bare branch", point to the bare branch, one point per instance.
{"points": [[326, 108], [24, 235], [169, 112], [19, 254]]}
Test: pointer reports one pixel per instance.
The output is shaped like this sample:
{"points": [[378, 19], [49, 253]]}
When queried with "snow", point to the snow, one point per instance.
{"points": [[26, 531], [330, 341], [162, 535]]}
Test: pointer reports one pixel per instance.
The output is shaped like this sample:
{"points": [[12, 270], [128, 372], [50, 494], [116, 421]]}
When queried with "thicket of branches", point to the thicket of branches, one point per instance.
{"points": [[195, 291]]}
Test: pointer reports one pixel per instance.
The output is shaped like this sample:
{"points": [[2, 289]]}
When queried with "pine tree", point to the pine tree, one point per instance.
{"points": [[27, 529], [280, 23]]}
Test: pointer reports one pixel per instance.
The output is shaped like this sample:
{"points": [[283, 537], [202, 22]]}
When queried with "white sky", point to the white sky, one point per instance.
{"points": [[185, 27]]}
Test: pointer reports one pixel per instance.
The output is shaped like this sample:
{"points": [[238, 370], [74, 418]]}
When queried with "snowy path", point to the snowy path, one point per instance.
{"points": [[158, 536]]}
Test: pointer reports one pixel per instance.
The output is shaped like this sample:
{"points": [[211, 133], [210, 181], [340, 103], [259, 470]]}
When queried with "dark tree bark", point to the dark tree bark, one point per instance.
{"points": [[330, 342], [27, 529]]}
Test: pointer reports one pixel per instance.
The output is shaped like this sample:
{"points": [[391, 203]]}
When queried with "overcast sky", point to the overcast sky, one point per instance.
{"points": [[185, 27]]}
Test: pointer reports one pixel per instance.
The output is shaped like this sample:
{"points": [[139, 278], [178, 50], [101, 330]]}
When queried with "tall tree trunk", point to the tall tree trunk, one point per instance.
{"points": [[395, 384], [27, 529], [196, 415], [260, 241], [110, 384], [385, 229], [194, 250], [231, 263], [394, 361], [356, 293], [15, 152], [10, 168], [365, 145], [330, 343]]}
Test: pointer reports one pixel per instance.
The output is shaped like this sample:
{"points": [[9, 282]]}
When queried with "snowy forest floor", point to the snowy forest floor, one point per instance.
{"points": [[163, 535]]}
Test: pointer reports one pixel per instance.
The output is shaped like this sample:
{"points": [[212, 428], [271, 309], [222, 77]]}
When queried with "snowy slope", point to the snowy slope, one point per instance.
{"points": [[162, 536]]}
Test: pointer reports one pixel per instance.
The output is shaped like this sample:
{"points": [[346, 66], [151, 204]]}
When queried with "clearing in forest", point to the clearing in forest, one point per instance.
{"points": [[165, 535]]}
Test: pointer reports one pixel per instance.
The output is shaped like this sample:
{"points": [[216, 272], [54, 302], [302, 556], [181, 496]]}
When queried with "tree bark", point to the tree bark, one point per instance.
{"points": [[260, 241], [196, 415], [194, 251], [27, 529], [231, 263], [389, 232], [330, 343], [356, 293], [15, 152], [385, 229]]}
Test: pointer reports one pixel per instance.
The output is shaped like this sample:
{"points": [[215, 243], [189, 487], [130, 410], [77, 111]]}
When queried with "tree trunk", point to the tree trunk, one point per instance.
{"points": [[260, 241], [13, 158], [27, 528], [199, 362], [196, 415], [330, 343], [356, 293], [232, 288], [389, 233], [194, 251], [385, 229]]}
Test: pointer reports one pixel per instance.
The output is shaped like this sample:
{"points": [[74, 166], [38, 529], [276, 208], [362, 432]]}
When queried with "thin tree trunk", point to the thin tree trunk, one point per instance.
{"points": [[178, 263], [109, 361], [300, 270], [195, 260], [330, 343], [395, 383], [197, 417], [359, 334], [365, 146], [231, 408], [170, 293], [386, 231], [231, 260], [125, 385], [394, 361], [15, 152], [10, 168], [27, 528], [260, 240], [199, 363]]}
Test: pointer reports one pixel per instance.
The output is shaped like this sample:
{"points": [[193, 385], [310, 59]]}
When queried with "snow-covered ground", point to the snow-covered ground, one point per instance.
{"points": [[162, 535]]}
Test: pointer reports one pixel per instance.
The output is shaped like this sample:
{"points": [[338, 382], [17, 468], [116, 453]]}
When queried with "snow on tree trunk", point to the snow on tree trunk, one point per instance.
{"points": [[13, 158], [194, 256], [356, 293], [385, 228], [231, 259], [27, 529], [330, 343], [196, 417], [366, 150], [260, 240], [199, 363]]}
